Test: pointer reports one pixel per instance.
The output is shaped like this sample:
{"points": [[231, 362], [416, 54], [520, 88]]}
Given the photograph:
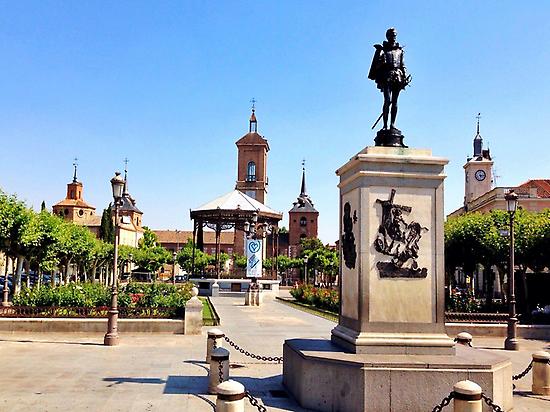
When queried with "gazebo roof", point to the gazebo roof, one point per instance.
{"points": [[235, 205]]}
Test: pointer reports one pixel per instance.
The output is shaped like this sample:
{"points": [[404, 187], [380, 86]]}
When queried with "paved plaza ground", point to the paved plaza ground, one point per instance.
{"points": [[163, 372]]}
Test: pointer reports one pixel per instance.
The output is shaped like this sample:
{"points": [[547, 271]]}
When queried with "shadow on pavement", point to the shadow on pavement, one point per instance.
{"points": [[118, 381], [528, 394], [56, 342]]}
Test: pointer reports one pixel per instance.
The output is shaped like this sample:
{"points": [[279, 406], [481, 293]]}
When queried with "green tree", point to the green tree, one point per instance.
{"points": [[322, 259], [149, 239], [107, 228], [14, 217], [185, 259]]}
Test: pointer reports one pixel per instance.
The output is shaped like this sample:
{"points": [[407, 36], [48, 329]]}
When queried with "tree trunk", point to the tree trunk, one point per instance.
{"points": [[66, 272], [489, 275], [92, 275], [17, 278]]}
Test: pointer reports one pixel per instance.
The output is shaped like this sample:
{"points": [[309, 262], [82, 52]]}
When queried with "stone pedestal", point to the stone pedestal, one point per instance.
{"points": [[390, 351], [391, 199], [215, 289], [323, 377], [193, 315]]}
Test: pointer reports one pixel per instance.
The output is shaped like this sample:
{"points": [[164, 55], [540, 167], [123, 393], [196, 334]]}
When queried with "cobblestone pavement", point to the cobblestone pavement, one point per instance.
{"points": [[163, 372]]}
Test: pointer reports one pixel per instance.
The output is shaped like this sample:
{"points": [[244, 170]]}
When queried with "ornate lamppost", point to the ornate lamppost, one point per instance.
{"points": [[511, 342], [111, 337], [306, 258]]}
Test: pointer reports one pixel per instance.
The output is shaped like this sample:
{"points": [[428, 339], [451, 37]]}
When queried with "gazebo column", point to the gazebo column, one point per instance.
{"points": [[218, 235], [194, 247]]}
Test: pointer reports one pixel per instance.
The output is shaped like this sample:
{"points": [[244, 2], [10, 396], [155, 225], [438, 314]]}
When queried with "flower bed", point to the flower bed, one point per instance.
{"points": [[321, 298], [135, 300]]}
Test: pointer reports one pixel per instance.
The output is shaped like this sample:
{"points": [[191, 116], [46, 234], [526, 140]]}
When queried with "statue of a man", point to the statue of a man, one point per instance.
{"points": [[388, 71]]}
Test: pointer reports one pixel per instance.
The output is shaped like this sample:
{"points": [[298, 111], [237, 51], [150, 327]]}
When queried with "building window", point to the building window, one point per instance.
{"points": [[80, 212], [303, 221], [251, 172], [66, 211]]}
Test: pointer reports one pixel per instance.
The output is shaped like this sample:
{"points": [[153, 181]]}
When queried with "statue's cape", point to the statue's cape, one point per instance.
{"points": [[374, 65]]}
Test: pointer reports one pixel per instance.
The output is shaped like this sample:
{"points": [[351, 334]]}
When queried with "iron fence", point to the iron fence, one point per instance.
{"points": [[90, 312], [476, 317]]}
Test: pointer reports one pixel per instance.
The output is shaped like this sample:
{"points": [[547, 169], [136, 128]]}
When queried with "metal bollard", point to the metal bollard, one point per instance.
{"points": [[541, 373], [215, 337], [230, 397], [218, 374], [464, 338], [467, 397]]}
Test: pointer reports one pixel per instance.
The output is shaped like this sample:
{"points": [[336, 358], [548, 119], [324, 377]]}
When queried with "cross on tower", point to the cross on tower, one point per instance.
{"points": [[303, 163], [75, 164], [126, 164], [478, 117], [253, 101]]}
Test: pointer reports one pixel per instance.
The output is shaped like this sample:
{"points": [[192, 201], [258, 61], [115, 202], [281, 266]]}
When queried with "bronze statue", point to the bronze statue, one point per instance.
{"points": [[389, 73]]}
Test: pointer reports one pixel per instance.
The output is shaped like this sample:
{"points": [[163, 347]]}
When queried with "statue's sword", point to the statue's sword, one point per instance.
{"points": [[377, 120]]}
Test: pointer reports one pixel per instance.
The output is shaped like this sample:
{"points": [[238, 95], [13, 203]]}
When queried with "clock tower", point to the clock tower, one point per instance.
{"points": [[478, 176]]}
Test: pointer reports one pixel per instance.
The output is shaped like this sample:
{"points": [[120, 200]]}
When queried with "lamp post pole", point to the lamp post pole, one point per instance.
{"points": [[305, 270], [511, 342], [174, 255], [111, 337]]}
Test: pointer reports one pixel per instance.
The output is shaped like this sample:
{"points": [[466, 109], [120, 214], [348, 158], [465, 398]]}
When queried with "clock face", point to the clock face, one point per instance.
{"points": [[480, 175]]}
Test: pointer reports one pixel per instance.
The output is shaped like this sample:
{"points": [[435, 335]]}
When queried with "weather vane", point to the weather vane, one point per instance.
{"points": [[253, 101], [75, 164]]}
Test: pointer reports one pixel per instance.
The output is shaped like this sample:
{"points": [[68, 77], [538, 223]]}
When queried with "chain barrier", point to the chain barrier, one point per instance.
{"points": [[214, 346], [277, 359], [446, 400], [522, 374], [254, 402], [220, 370], [491, 404]]}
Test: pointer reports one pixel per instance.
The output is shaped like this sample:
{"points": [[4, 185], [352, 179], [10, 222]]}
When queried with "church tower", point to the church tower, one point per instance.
{"points": [[252, 162], [478, 171], [75, 209], [302, 218]]}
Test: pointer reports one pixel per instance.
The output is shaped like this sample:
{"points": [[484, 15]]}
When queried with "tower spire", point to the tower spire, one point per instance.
{"points": [[125, 192], [303, 188], [75, 164], [478, 141], [253, 124]]}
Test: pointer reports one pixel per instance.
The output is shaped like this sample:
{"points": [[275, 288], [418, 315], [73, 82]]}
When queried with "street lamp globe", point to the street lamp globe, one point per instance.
{"points": [[511, 201], [117, 183], [246, 227]]}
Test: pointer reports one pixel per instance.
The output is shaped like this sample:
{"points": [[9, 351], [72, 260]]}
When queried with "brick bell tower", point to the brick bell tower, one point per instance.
{"points": [[478, 176], [252, 162], [302, 218]]}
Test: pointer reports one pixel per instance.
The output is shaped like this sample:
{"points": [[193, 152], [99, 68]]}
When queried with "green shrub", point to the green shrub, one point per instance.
{"points": [[97, 295], [321, 298]]}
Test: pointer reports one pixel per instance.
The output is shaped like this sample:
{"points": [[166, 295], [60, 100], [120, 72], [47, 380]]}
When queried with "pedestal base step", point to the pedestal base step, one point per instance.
{"points": [[324, 378]]}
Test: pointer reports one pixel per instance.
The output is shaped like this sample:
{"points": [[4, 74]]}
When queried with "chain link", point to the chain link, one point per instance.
{"points": [[220, 370], [522, 374], [277, 359], [254, 402], [491, 404], [446, 400]]}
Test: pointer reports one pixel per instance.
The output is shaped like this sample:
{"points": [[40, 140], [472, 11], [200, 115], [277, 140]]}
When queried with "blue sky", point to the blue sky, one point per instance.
{"points": [[168, 85]]}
